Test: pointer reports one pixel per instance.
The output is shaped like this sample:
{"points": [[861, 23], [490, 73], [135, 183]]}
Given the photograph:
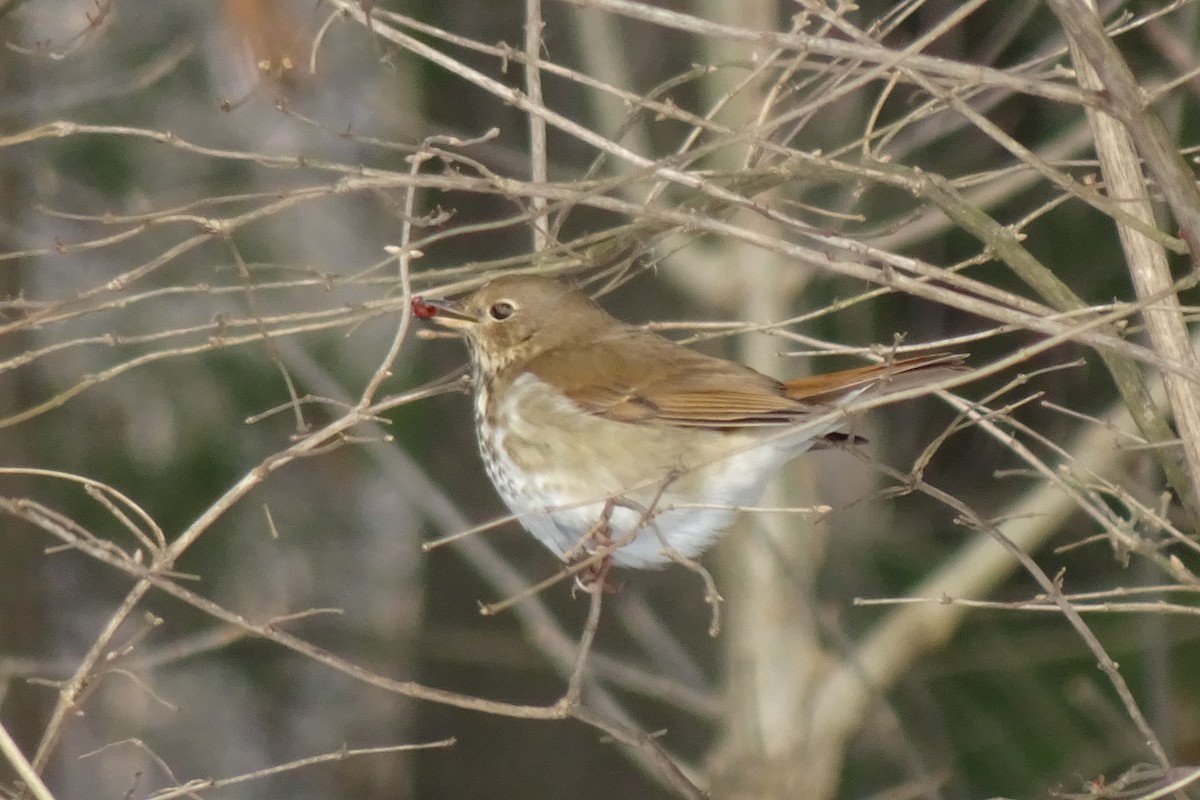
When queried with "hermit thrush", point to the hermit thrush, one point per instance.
{"points": [[598, 434]]}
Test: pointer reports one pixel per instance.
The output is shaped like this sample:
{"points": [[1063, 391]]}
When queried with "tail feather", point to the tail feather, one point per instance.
{"points": [[892, 377]]}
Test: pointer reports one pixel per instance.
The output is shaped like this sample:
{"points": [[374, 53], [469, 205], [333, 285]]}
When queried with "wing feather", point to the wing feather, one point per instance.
{"points": [[635, 376]]}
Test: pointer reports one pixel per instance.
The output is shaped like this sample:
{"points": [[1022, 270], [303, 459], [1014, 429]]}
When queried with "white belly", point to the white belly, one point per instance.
{"points": [[651, 500]]}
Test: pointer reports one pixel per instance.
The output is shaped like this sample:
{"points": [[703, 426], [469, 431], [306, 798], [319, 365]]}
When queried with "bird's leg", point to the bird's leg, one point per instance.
{"points": [[595, 540], [600, 534], [598, 539]]}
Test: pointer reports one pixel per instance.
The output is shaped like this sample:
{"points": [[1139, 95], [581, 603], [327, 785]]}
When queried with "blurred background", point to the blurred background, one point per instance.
{"points": [[195, 205]]}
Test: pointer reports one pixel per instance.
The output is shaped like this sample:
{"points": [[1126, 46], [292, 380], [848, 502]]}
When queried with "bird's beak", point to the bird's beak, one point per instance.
{"points": [[447, 313]]}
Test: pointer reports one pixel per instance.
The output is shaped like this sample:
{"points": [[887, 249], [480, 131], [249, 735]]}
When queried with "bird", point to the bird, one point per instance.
{"points": [[604, 437]]}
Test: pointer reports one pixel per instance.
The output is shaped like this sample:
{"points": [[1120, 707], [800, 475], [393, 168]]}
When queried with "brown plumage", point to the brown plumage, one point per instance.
{"points": [[636, 376]]}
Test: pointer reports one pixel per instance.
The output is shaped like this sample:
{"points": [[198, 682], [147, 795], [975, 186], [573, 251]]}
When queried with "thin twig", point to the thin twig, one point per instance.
{"points": [[25, 771]]}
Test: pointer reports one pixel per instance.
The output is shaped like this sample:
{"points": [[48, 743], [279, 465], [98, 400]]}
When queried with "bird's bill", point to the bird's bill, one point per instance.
{"points": [[449, 313]]}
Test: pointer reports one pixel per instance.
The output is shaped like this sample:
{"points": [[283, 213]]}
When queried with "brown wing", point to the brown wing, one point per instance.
{"points": [[635, 376]]}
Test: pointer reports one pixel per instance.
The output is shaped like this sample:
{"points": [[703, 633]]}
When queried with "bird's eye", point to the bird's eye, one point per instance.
{"points": [[501, 310]]}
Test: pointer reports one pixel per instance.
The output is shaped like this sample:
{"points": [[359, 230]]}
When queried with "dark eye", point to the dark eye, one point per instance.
{"points": [[501, 310]]}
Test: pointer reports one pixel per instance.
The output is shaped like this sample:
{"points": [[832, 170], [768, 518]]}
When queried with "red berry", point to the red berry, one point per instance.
{"points": [[421, 309]]}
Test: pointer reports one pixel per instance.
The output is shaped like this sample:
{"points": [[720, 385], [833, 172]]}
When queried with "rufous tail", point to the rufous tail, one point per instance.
{"points": [[890, 377]]}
